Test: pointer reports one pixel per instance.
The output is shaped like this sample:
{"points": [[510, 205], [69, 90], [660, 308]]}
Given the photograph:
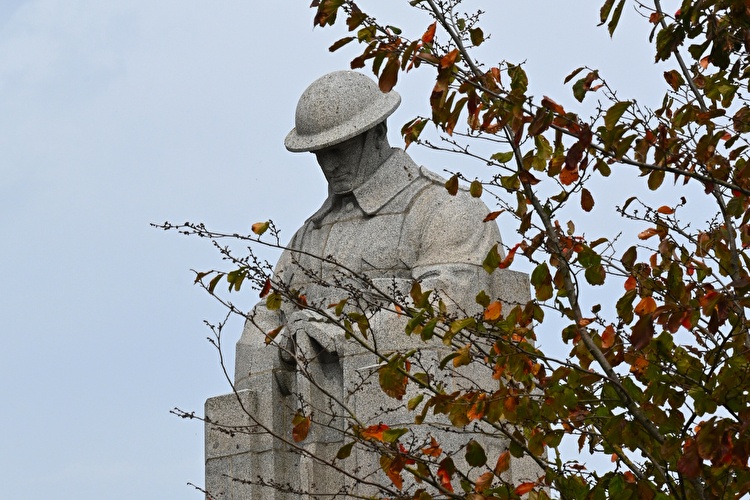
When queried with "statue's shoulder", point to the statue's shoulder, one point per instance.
{"points": [[431, 176]]}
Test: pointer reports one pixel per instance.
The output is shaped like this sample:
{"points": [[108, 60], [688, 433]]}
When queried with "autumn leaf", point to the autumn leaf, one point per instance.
{"points": [[375, 432], [483, 482], [452, 185], [392, 380], [429, 35], [630, 283], [524, 488], [434, 450], [493, 311], [301, 427], [608, 337], [266, 288], [503, 462], [270, 336], [642, 332], [492, 216], [260, 227], [647, 305], [475, 189], [587, 201], [445, 473]]}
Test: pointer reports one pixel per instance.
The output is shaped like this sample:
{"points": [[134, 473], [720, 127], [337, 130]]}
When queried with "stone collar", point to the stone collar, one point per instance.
{"points": [[397, 172]]}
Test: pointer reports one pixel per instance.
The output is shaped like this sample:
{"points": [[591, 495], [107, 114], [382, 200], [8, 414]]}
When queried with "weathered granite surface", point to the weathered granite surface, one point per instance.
{"points": [[385, 223]]}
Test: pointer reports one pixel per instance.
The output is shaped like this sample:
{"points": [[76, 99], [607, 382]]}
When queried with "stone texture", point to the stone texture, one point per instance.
{"points": [[396, 224], [337, 107]]}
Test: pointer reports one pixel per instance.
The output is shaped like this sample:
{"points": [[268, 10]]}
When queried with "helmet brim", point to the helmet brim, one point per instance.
{"points": [[369, 117]]}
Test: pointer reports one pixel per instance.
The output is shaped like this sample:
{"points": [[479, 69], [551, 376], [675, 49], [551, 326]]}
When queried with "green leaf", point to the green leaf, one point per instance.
{"points": [[596, 275], [541, 280], [628, 258], [477, 36], [615, 18], [579, 89], [502, 157], [214, 281], [392, 435], [655, 178], [492, 260], [475, 455], [614, 114], [273, 302], [414, 402], [345, 451]]}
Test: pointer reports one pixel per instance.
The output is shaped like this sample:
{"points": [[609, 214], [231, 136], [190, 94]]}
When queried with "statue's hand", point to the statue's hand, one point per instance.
{"points": [[315, 326]]}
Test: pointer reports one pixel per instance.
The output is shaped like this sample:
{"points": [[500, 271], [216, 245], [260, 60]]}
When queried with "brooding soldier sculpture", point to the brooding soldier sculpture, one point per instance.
{"points": [[386, 223]]}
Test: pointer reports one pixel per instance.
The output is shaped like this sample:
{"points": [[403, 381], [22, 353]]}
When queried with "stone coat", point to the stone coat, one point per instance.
{"points": [[400, 224]]}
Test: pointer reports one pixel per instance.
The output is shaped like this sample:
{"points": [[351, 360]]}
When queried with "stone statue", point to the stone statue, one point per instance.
{"points": [[386, 223]]}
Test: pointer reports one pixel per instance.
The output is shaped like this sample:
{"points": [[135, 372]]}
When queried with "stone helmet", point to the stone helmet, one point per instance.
{"points": [[337, 107]]}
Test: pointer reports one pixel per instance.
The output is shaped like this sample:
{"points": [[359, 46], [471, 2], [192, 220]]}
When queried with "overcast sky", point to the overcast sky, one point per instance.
{"points": [[118, 113]]}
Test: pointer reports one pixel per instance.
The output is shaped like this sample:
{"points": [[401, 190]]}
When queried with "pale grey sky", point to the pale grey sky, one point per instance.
{"points": [[119, 113]]}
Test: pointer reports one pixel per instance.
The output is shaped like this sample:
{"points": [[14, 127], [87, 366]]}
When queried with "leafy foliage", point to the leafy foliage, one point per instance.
{"points": [[659, 379]]}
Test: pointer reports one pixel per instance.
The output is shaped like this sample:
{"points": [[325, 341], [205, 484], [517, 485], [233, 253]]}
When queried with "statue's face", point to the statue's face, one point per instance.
{"points": [[343, 164]]}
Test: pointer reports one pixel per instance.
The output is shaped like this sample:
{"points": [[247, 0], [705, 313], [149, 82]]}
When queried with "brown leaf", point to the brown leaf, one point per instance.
{"points": [[608, 337], [484, 481], [375, 432], [642, 333], [492, 215], [552, 106], [587, 201], [301, 427], [452, 185], [389, 76]]}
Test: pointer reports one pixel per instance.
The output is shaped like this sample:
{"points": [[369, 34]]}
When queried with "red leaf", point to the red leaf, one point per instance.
{"points": [[266, 288], [445, 472], [508, 260], [524, 488], [630, 283], [375, 432]]}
